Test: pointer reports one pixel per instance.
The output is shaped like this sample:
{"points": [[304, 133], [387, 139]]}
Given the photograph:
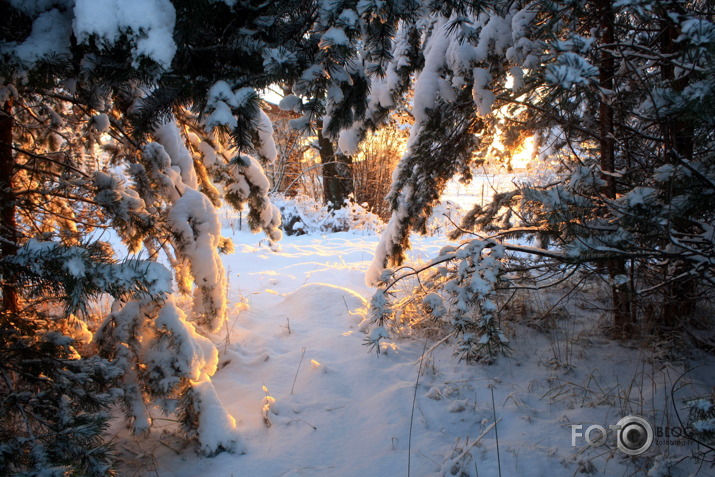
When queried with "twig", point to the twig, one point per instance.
{"points": [[412, 414], [484, 433], [176, 451], [306, 422], [687, 433], [346, 304], [297, 370], [311, 168], [496, 430], [434, 346]]}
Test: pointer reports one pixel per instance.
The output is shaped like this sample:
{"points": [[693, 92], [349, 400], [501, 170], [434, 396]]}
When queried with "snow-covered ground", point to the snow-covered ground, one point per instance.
{"points": [[310, 399]]}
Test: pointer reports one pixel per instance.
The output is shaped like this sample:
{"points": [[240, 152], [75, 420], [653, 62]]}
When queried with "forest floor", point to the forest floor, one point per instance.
{"points": [[311, 400]]}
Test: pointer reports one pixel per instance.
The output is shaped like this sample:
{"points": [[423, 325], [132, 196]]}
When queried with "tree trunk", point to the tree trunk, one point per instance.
{"points": [[623, 318], [679, 298], [337, 173], [8, 224]]}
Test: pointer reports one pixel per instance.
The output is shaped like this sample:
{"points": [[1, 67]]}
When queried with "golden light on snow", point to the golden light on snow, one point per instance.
{"points": [[524, 155], [521, 156]]}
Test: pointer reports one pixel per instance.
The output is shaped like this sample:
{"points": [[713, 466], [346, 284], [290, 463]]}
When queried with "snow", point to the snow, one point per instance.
{"points": [[697, 32], [349, 140], [39, 256], [495, 37], [309, 399], [33, 7], [217, 428], [221, 116], [197, 356], [429, 79], [701, 405], [267, 146], [481, 92], [194, 222], [50, 36], [311, 73], [275, 59], [302, 215], [382, 92], [334, 37], [640, 196], [75, 266], [169, 136], [249, 177], [208, 153], [521, 23], [290, 102], [167, 177], [300, 124], [517, 78], [149, 23], [707, 425], [221, 102], [101, 122], [349, 18], [570, 69], [389, 237]]}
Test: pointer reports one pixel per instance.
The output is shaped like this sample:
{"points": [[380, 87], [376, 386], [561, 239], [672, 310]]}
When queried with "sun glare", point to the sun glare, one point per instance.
{"points": [[524, 155], [521, 156]]}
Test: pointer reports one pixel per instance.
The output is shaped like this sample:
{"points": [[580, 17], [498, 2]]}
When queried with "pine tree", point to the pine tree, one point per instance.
{"points": [[350, 49], [131, 123], [626, 204], [55, 394], [604, 88], [91, 139]]}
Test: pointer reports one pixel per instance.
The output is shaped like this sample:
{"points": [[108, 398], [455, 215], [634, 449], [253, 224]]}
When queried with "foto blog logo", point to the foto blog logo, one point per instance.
{"points": [[634, 435]]}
